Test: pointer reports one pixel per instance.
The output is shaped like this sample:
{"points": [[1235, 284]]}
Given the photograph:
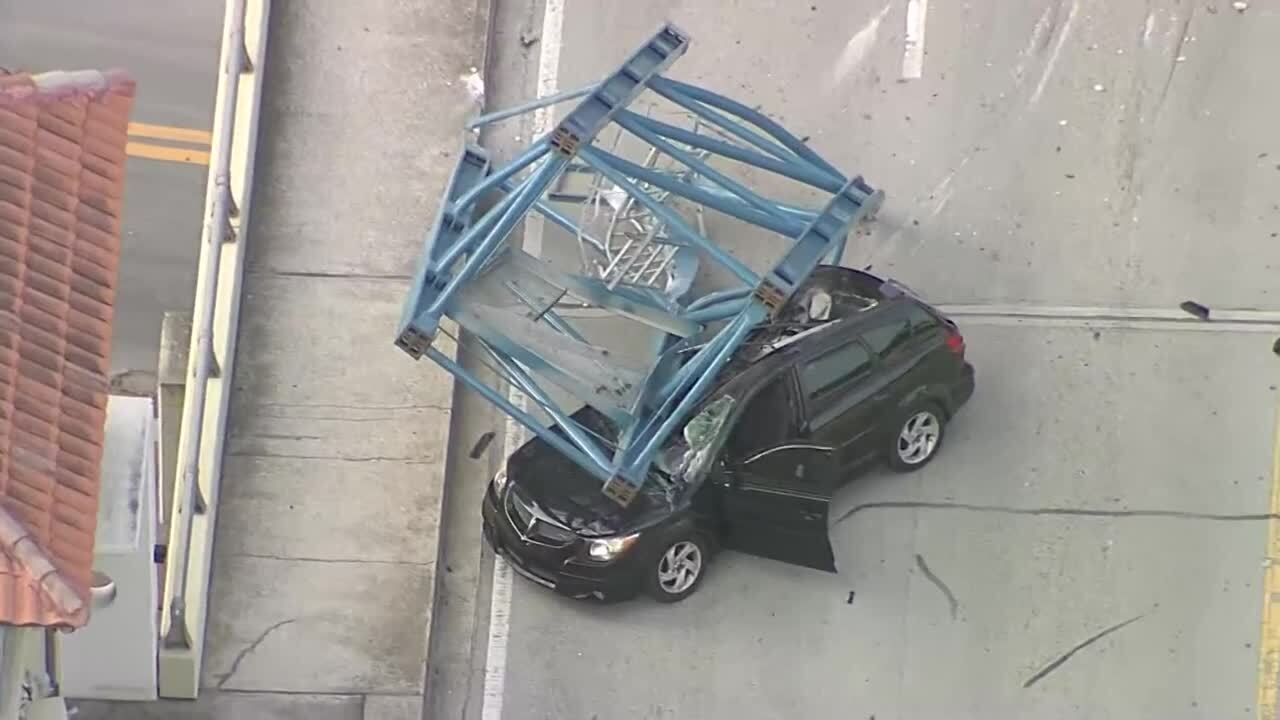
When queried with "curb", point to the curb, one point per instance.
{"points": [[482, 36]]}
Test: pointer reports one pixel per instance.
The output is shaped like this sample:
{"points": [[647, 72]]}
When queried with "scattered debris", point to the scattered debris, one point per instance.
{"points": [[528, 38], [474, 85], [1194, 308], [1069, 176], [1276, 347], [482, 444], [850, 600], [937, 581], [1098, 87], [1239, 6], [1067, 656], [1062, 123]]}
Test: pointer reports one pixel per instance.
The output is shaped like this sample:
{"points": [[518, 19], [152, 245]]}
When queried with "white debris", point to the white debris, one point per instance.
{"points": [[1240, 6], [1062, 123], [474, 85], [1098, 87], [1119, 51], [820, 306], [1180, 58]]}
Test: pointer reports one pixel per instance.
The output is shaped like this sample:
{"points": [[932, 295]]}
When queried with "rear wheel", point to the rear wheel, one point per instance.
{"points": [[917, 437], [678, 569]]}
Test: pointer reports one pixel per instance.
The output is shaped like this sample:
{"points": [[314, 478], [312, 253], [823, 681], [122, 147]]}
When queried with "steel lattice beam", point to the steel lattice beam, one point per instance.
{"points": [[512, 302]]}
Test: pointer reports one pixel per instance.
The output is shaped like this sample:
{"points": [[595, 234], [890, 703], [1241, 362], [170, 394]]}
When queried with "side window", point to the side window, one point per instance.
{"points": [[890, 336], [923, 323], [900, 329], [837, 367], [768, 420]]}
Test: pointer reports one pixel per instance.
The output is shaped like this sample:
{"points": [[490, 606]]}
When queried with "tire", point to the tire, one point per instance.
{"points": [[664, 586], [924, 421]]}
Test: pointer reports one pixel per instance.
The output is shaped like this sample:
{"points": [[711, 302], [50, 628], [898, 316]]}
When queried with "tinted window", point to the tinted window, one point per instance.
{"points": [[922, 321], [890, 336], [767, 421], [911, 323], [829, 371]]}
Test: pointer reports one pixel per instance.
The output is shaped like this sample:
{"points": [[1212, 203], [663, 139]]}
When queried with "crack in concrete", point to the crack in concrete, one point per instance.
{"points": [[1043, 672], [937, 582], [326, 275], [1173, 60], [1051, 511], [339, 458], [340, 406], [334, 561], [235, 663]]}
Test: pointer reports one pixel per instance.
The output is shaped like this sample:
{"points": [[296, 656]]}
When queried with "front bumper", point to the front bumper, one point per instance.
{"points": [[558, 569]]}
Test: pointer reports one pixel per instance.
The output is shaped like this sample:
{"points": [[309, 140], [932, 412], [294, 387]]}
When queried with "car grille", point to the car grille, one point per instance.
{"points": [[533, 528]]}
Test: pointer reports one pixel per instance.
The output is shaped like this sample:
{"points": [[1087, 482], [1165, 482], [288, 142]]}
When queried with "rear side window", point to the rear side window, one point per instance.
{"points": [[903, 327], [884, 339], [837, 367], [923, 322]]}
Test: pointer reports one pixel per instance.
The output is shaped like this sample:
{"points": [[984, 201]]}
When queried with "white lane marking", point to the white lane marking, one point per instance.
{"points": [[548, 71], [1223, 319], [913, 52], [495, 667], [1057, 50], [495, 677], [858, 46]]}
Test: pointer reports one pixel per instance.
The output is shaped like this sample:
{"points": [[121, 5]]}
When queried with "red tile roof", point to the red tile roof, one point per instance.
{"points": [[62, 157]]}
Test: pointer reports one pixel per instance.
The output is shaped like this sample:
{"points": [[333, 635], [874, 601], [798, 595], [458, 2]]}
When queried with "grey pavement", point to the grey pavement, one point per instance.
{"points": [[325, 557], [1053, 154], [172, 51]]}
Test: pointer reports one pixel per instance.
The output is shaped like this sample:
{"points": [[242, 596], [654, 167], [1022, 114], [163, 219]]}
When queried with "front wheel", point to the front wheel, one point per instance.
{"points": [[917, 437], [678, 570]]}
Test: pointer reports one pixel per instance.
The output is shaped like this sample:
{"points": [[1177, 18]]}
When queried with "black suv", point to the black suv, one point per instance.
{"points": [[856, 369]]}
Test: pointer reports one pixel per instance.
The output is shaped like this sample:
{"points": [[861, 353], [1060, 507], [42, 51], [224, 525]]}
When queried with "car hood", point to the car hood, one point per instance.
{"points": [[570, 495]]}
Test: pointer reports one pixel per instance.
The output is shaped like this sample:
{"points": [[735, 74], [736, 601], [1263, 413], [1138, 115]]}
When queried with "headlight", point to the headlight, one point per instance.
{"points": [[499, 481], [610, 548]]}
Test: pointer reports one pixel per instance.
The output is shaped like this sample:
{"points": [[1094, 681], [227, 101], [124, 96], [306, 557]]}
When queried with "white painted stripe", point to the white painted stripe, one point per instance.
{"points": [[913, 51], [548, 73], [858, 46], [1088, 312], [495, 669], [495, 663], [1057, 50]]}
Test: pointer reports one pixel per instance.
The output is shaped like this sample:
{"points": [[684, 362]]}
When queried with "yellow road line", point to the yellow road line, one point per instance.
{"points": [[169, 132], [1269, 640], [165, 152]]}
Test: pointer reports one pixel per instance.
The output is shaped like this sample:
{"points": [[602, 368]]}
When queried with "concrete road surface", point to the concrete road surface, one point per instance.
{"points": [[172, 51], [1092, 540]]}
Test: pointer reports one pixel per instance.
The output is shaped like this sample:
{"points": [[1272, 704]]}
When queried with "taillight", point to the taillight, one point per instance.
{"points": [[955, 341]]}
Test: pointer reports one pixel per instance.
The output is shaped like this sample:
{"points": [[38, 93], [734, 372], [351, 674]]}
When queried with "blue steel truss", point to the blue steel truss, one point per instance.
{"points": [[510, 301]]}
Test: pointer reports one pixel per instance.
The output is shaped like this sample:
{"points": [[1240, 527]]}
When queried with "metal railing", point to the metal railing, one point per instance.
{"points": [[215, 315]]}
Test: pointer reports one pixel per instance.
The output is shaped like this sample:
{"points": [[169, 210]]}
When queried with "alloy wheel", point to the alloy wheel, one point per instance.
{"points": [[679, 567], [919, 438]]}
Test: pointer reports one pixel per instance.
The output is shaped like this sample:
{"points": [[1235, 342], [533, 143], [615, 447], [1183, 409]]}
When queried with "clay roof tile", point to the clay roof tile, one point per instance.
{"points": [[62, 157]]}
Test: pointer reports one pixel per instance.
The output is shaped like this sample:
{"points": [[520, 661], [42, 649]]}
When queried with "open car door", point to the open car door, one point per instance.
{"points": [[776, 487]]}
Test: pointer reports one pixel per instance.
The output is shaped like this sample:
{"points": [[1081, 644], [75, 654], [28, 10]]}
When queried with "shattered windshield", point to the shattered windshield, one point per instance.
{"points": [[688, 454]]}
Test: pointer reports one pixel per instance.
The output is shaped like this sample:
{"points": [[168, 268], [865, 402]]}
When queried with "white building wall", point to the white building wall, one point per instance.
{"points": [[114, 656]]}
